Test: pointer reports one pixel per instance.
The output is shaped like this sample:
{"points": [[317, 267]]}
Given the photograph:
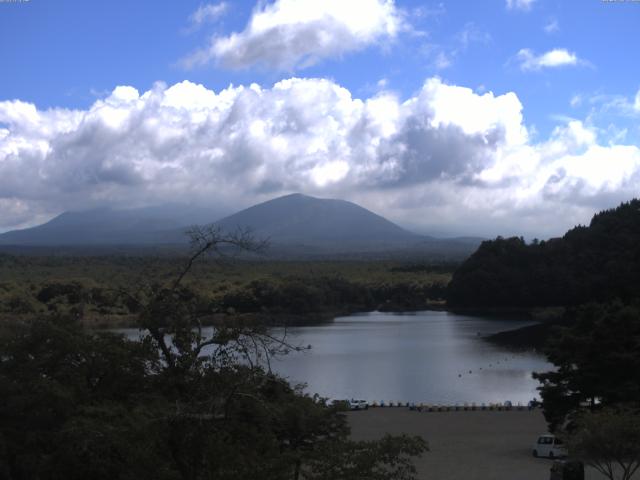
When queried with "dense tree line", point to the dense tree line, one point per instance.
{"points": [[329, 294], [593, 263], [292, 295]]}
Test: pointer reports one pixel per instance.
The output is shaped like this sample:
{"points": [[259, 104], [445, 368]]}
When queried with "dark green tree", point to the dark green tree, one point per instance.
{"points": [[599, 262], [597, 360], [77, 405]]}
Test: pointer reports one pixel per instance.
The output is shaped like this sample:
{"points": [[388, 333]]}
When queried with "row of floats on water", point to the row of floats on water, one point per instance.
{"points": [[424, 407]]}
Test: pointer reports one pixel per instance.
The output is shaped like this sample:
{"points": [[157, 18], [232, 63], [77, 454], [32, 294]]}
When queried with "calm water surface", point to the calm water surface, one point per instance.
{"points": [[431, 357], [434, 357]]}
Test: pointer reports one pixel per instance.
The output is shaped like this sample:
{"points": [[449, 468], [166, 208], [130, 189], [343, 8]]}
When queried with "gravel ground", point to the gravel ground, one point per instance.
{"points": [[471, 445]]}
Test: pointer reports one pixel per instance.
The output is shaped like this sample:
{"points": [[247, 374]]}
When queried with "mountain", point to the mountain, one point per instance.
{"points": [[296, 226], [105, 226], [598, 262], [299, 219]]}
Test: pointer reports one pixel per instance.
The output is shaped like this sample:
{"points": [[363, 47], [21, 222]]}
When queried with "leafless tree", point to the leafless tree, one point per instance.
{"points": [[172, 314]]}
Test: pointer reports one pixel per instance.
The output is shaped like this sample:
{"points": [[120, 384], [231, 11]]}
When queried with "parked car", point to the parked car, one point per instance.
{"points": [[550, 446], [358, 404]]}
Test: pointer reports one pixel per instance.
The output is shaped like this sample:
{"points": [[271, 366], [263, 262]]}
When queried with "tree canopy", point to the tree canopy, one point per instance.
{"points": [[597, 360], [594, 263]]}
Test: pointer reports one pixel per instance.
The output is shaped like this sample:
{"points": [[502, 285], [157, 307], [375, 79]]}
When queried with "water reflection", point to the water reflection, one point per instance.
{"points": [[434, 357]]}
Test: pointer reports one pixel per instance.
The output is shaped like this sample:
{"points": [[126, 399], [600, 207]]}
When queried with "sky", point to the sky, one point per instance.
{"points": [[493, 117]]}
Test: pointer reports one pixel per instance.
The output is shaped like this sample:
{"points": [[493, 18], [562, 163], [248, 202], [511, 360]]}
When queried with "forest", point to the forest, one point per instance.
{"points": [[91, 288], [597, 262]]}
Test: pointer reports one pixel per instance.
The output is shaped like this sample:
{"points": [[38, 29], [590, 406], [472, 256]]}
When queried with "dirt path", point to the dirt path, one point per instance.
{"points": [[471, 445]]}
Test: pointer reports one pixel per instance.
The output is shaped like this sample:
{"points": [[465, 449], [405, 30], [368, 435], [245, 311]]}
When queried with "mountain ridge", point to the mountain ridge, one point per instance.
{"points": [[107, 226], [294, 224]]}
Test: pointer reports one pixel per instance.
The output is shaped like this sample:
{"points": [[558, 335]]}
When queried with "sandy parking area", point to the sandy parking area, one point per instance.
{"points": [[466, 445]]}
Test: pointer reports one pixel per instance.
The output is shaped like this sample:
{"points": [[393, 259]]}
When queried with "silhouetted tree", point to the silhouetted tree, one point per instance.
{"points": [[597, 360], [595, 263], [609, 441]]}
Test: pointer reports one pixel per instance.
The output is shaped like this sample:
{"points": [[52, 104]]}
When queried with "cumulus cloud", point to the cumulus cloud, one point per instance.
{"points": [[520, 4], [558, 57], [446, 157], [293, 34], [636, 104]]}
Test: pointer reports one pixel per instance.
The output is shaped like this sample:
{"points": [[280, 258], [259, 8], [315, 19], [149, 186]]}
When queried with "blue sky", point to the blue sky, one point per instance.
{"points": [[561, 76]]}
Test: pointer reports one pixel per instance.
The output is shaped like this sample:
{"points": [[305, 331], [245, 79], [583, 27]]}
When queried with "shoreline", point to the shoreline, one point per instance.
{"points": [[531, 337], [109, 321], [280, 319]]}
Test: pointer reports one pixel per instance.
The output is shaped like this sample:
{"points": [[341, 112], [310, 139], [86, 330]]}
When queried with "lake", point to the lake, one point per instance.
{"points": [[431, 357]]}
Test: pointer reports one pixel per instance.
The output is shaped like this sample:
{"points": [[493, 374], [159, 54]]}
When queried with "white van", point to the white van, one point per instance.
{"points": [[358, 404], [550, 446]]}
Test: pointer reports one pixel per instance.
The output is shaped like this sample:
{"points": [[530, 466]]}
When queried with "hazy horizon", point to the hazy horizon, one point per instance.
{"points": [[218, 214]]}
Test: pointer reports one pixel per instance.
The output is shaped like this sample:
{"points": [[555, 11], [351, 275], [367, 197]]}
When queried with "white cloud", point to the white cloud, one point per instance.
{"points": [[445, 158], [293, 34], [558, 57], [636, 104], [382, 83], [208, 13], [520, 4]]}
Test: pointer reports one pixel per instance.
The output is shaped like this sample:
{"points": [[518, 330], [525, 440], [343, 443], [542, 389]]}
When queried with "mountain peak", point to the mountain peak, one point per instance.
{"points": [[301, 219]]}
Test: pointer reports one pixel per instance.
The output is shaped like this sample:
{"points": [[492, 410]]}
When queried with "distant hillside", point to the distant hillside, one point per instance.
{"points": [[142, 226], [300, 226], [299, 219], [296, 226], [594, 263]]}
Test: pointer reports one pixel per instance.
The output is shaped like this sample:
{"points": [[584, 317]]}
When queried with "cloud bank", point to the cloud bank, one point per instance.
{"points": [[446, 158], [293, 34]]}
